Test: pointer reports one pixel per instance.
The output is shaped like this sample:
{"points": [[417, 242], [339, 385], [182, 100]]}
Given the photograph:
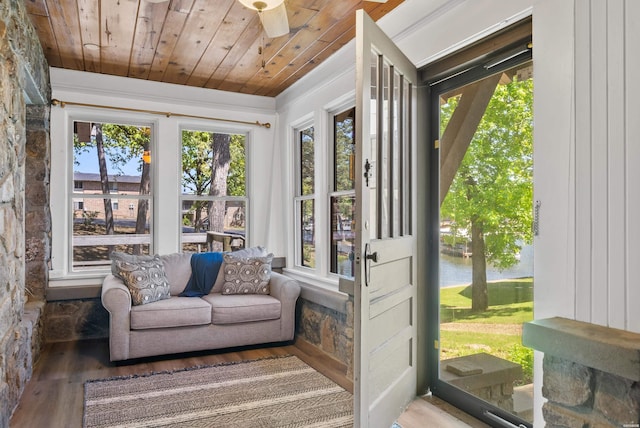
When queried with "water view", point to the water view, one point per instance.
{"points": [[457, 270]]}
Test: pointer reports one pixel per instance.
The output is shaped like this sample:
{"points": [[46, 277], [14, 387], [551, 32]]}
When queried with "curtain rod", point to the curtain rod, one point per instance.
{"points": [[62, 104]]}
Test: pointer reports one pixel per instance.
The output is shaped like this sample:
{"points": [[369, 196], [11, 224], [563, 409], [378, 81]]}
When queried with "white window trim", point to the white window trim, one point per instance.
{"points": [[62, 185], [323, 121], [166, 147]]}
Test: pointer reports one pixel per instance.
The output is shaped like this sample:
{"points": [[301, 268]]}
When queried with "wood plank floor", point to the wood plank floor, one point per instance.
{"points": [[54, 396]]}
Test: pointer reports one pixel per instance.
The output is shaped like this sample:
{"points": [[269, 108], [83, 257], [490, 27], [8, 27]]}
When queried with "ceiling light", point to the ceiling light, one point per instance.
{"points": [[261, 5]]}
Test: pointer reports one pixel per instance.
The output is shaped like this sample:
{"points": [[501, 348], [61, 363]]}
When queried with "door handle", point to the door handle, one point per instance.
{"points": [[373, 257]]}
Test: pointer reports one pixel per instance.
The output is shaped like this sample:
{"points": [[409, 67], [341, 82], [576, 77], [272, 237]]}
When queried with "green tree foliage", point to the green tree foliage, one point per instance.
{"points": [[236, 181], [491, 194], [197, 164]]}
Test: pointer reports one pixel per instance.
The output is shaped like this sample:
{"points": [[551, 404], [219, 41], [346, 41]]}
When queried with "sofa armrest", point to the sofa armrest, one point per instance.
{"points": [[284, 288], [287, 291], [116, 299]]}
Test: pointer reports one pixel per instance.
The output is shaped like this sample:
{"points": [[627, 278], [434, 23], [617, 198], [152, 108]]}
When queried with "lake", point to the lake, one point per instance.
{"points": [[457, 270]]}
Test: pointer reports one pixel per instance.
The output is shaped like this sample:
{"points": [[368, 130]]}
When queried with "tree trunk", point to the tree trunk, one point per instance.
{"points": [[104, 180], [219, 172], [479, 294], [143, 204]]}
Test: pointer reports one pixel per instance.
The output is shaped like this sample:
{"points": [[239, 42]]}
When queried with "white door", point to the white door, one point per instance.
{"points": [[385, 295]]}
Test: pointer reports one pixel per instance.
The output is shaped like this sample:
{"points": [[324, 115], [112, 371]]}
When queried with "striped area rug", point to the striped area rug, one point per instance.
{"points": [[274, 392]]}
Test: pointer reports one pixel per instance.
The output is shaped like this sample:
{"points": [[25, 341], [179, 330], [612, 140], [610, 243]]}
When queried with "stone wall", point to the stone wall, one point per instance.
{"points": [[329, 330], [37, 211], [24, 79], [591, 373], [69, 320], [580, 396]]}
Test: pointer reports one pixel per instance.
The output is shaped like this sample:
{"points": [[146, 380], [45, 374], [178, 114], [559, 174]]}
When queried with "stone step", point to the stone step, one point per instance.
{"points": [[523, 401]]}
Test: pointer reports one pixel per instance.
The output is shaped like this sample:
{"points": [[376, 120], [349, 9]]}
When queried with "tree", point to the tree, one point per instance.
{"points": [[197, 151], [132, 142], [104, 181], [219, 170], [491, 194]]}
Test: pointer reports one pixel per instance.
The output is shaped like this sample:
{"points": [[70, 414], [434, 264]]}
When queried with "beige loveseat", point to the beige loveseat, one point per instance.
{"points": [[182, 324]]}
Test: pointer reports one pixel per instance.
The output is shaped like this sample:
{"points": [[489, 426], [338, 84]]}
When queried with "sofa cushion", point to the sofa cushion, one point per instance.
{"points": [[144, 276], [246, 275], [173, 312], [237, 308], [177, 266], [245, 252]]}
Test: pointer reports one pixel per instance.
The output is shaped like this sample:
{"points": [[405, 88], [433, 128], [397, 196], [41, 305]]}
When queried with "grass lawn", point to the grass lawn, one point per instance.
{"points": [[495, 331]]}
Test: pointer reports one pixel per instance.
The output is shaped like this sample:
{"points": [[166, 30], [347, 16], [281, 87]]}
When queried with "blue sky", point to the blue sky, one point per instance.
{"points": [[88, 163]]}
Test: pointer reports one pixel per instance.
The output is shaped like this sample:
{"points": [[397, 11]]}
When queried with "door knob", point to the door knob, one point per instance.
{"points": [[373, 257]]}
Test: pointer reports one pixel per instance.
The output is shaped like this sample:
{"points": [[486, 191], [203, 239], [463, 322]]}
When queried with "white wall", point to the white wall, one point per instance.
{"points": [[607, 153], [78, 87], [586, 151]]}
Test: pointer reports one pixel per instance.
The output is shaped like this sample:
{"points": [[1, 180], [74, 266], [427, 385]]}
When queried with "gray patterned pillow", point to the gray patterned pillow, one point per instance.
{"points": [[249, 275], [144, 276]]}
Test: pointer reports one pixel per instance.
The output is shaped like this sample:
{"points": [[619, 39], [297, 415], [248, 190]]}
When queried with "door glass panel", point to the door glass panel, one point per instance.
{"points": [[385, 155], [371, 163], [486, 254]]}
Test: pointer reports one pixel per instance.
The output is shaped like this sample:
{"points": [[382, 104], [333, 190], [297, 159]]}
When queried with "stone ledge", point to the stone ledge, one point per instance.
{"points": [[607, 349]]}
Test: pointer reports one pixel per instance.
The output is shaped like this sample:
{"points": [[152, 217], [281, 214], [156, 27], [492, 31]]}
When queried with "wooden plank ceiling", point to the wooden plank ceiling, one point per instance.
{"points": [[204, 43]]}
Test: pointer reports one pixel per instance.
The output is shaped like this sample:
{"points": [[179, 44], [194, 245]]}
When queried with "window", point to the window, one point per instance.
{"points": [[305, 198], [324, 196], [107, 157], [214, 202], [343, 195]]}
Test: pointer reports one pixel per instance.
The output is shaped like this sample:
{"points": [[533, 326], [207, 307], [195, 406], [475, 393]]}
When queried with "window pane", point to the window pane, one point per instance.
{"points": [[344, 150], [108, 154], [213, 163], [95, 238], [115, 160], [307, 162], [213, 179], [308, 236], [342, 234], [215, 225]]}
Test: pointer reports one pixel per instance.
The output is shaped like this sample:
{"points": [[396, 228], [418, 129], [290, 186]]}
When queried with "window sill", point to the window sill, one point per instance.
{"points": [[323, 292], [74, 287]]}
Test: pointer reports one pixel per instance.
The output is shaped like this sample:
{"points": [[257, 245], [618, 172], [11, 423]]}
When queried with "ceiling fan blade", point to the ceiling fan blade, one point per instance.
{"points": [[275, 21]]}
